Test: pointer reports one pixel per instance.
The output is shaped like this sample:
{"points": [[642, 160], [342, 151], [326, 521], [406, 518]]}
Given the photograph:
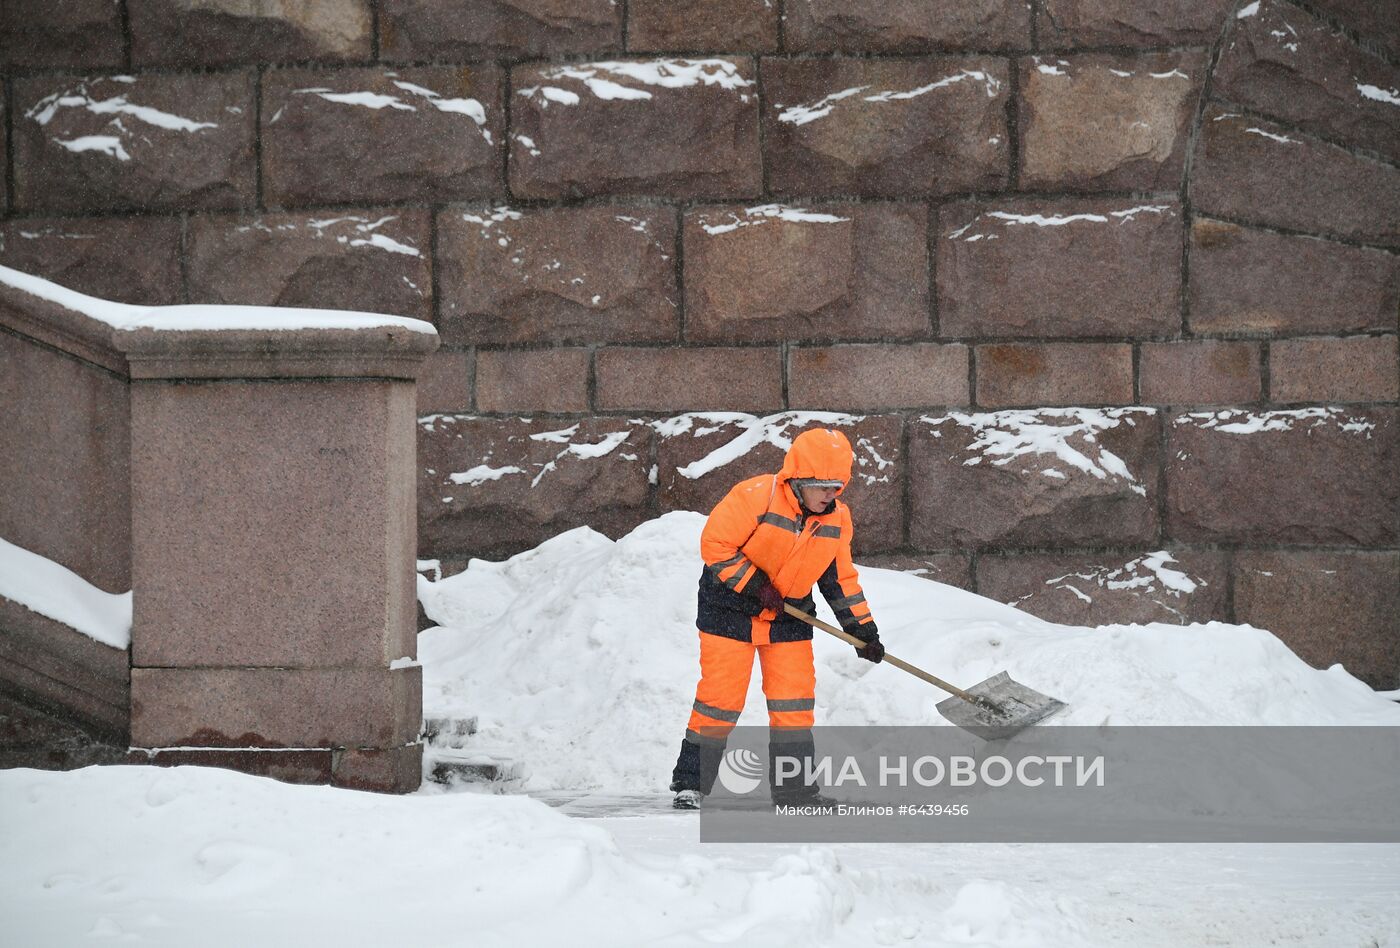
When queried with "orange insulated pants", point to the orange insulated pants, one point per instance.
{"points": [[726, 666]]}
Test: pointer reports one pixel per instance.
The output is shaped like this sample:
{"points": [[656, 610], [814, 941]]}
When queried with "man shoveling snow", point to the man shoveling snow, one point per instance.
{"points": [[769, 541]]}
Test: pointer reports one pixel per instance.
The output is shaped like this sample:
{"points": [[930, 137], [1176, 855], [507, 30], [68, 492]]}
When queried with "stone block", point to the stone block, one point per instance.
{"points": [[1246, 280], [81, 680], [560, 274], [1256, 171], [64, 329], [148, 142], [64, 458], [70, 755], [832, 271], [1104, 122], [1373, 22], [1329, 607], [445, 382], [878, 377], [381, 352], [365, 261], [532, 380], [379, 770], [1288, 64], [1071, 477], [905, 26], [64, 654], [951, 569], [73, 34], [1068, 373], [688, 379], [1062, 267], [694, 467], [700, 457], [74, 703], [26, 727], [1354, 369], [886, 127], [733, 26], [1199, 372], [1178, 587], [275, 707], [288, 766], [126, 259], [675, 128], [218, 32], [336, 506], [1312, 476], [496, 486], [23, 726], [1068, 23], [497, 29], [431, 133]]}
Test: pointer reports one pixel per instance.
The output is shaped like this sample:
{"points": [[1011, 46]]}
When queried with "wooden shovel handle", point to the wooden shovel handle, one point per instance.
{"points": [[899, 663]]}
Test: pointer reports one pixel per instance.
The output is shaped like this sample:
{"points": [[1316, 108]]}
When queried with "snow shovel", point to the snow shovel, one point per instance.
{"points": [[994, 709]]}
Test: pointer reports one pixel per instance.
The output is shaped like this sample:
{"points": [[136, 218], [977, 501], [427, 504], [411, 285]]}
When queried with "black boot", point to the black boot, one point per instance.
{"points": [[697, 765], [794, 790], [688, 800]]}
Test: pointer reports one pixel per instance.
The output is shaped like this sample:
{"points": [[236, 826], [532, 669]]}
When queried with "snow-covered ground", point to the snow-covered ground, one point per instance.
{"points": [[189, 856], [579, 660]]}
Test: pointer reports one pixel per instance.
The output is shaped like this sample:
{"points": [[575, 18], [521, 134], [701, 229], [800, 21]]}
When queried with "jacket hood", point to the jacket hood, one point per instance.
{"points": [[819, 454]]}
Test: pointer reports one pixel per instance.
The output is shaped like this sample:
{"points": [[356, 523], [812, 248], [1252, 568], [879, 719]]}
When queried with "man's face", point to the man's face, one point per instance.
{"points": [[817, 498]]}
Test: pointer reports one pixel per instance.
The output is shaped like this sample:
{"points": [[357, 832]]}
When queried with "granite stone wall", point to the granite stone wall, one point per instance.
{"points": [[1105, 291]]}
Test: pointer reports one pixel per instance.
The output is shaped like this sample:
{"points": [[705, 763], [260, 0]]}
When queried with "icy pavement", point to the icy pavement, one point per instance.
{"points": [[1096, 894], [1144, 895], [1089, 894], [1139, 894]]}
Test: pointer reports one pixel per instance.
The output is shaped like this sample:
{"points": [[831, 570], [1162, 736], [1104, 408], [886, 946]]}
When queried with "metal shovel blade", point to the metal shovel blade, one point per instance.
{"points": [[1004, 707]]}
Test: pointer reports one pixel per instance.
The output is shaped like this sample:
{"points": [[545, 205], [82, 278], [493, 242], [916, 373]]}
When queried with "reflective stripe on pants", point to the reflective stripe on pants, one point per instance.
{"points": [[726, 665]]}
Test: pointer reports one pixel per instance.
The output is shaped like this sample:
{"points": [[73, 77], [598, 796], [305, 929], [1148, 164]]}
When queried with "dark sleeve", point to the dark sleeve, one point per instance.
{"points": [[849, 605]]}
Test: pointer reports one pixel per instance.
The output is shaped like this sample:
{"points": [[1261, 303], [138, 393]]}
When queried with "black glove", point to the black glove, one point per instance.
{"points": [[770, 598], [872, 651]]}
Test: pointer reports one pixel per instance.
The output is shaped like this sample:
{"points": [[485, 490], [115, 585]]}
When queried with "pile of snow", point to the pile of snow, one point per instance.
{"points": [[580, 657]]}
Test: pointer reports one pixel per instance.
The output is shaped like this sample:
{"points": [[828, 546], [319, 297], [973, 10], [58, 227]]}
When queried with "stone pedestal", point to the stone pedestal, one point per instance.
{"points": [[273, 544]]}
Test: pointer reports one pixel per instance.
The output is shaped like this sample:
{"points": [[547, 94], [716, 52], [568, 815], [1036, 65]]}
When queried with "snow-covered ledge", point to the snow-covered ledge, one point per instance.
{"points": [[272, 526], [199, 341]]}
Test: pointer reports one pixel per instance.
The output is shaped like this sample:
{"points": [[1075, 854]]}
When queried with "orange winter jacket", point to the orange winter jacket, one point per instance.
{"points": [[759, 534]]}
